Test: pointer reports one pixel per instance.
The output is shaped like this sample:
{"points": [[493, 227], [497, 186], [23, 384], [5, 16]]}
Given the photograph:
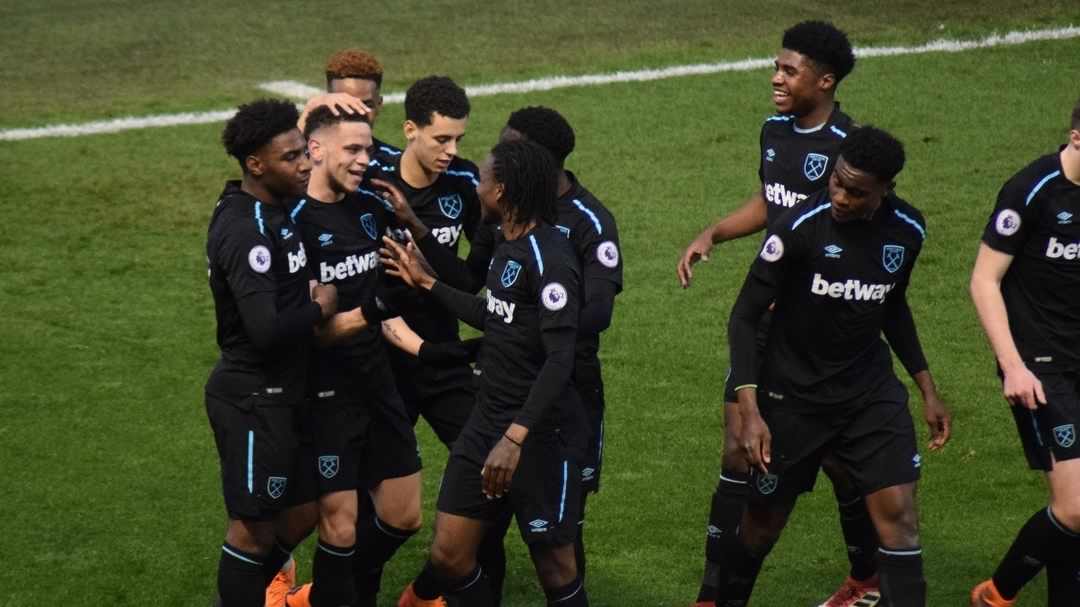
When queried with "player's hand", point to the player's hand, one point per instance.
{"points": [[402, 210], [698, 250], [1022, 388], [938, 419], [338, 103], [499, 467], [404, 262], [756, 440], [326, 297], [449, 353]]}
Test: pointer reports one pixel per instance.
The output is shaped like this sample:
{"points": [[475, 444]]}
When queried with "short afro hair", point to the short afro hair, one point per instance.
{"points": [[322, 117], [824, 45], [1076, 117], [546, 127], [873, 151], [435, 94], [353, 63], [527, 172], [255, 124]]}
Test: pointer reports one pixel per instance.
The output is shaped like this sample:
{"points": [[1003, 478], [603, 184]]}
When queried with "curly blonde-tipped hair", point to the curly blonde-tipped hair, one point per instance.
{"points": [[354, 63]]}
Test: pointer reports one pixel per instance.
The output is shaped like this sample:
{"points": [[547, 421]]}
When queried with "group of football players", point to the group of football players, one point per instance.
{"points": [[338, 288]]}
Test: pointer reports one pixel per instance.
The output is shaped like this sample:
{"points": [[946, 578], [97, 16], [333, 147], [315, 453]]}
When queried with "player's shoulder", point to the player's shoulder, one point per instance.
{"points": [[777, 123], [840, 124], [587, 212], [906, 217], [1030, 180], [806, 212], [464, 171], [239, 212], [548, 246]]}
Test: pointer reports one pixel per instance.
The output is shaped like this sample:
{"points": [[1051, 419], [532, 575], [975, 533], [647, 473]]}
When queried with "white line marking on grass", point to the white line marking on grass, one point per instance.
{"points": [[302, 91]]}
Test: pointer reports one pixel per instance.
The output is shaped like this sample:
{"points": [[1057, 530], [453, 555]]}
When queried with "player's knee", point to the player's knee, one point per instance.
{"points": [[761, 529], [555, 567], [408, 519], [1067, 512], [249, 536], [450, 558], [898, 526], [337, 520]]}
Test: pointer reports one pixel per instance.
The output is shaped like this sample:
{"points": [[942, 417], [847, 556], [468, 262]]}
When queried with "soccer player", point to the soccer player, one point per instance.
{"points": [[363, 437], [798, 152], [519, 451], [1025, 286], [592, 232], [836, 267], [266, 312]]}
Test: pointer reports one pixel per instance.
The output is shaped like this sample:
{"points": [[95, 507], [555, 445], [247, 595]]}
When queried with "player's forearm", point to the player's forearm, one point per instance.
{"points": [[401, 336], [748, 219], [341, 326], [595, 316], [753, 301], [455, 271], [268, 327], [466, 306], [925, 382], [994, 317], [554, 376], [903, 336]]}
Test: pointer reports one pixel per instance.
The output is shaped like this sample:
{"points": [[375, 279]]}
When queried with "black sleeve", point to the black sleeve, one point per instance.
{"points": [[267, 327], [466, 306], [759, 290], [599, 305], [900, 331], [557, 290], [554, 375], [466, 274], [1012, 219]]}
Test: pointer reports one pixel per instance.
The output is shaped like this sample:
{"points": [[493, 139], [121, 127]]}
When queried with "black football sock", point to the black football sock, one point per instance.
{"points": [[272, 564], [1030, 551], [859, 535], [570, 595], [491, 554], [721, 534], [240, 578], [902, 581], [1063, 580], [429, 585], [737, 579], [472, 590], [332, 576], [378, 541]]}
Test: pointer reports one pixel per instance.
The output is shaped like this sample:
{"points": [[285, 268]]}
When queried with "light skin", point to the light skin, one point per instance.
{"points": [[366, 91], [430, 148], [1021, 387], [800, 87]]}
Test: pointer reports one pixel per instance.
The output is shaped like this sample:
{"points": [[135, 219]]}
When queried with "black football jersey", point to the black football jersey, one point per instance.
{"points": [[592, 232], [343, 241], [252, 247], [533, 285], [833, 284], [795, 163], [1037, 221], [383, 154], [450, 209]]}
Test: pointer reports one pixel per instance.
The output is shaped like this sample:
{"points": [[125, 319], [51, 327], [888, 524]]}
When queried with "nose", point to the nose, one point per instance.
{"points": [[778, 78], [451, 148]]}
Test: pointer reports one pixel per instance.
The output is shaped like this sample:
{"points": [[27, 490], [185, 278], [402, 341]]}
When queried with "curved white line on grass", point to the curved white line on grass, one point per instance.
{"points": [[299, 90]]}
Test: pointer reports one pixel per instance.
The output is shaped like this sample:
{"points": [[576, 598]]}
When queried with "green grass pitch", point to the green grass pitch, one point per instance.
{"points": [[109, 491]]}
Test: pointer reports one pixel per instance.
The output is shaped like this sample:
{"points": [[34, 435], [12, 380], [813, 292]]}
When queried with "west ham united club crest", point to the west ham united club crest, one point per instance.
{"points": [[510, 273], [767, 483], [1065, 435], [451, 205], [814, 166], [275, 486], [892, 257], [367, 220], [328, 466]]}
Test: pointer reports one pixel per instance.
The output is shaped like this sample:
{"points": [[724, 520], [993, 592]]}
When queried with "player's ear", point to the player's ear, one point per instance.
{"points": [[410, 130], [254, 165], [315, 150], [827, 81], [1074, 139]]}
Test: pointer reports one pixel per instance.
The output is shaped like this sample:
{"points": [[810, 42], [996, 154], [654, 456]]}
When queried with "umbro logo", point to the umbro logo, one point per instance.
{"points": [[713, 531], [770, 154], [1064, 217], [286, 233], [538, 526], [326, 239], [833, 251], [917, 461]]}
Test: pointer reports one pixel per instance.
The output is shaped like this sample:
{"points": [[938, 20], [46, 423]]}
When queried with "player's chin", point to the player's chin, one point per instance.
{"points": [[783, 102], [354, 179]]}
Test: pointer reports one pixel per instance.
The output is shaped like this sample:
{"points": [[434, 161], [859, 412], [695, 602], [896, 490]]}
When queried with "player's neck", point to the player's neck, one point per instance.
{"points": [[320, 189], [816, 117], [564, 183], [258, 191], [414, 173], [1070, 163], [513, 231]]}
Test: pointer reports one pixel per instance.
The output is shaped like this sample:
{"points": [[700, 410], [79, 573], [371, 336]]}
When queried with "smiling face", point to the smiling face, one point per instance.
{"points": [[282, 165], [436, 144], [341, 153], [853, 193], [798, 85]]}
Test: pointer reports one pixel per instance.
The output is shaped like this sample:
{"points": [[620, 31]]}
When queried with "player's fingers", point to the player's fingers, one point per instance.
{"points": [[1039, 393], [486, 475], [766, 448], [683, 273]]}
